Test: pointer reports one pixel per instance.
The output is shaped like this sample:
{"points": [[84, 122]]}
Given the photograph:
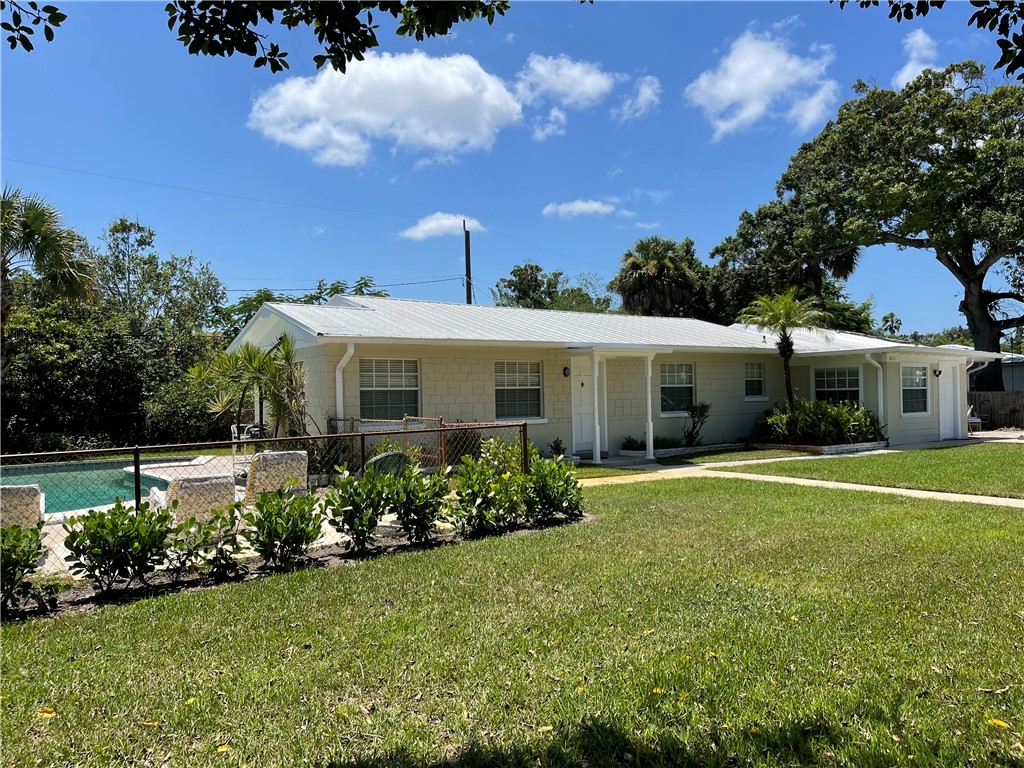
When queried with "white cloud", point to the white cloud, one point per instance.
{"points": [[922, 51], [626, 213], [576, 208], [565, 81], [614, 171], [648, 225], [439, 224], [760, 77], [319, 230], [510, 37], [413, 101], [646, 97], [552, 125], [654, 195], [812, 111]]}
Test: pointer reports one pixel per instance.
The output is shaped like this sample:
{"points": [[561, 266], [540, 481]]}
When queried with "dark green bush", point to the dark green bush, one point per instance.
{"points": [[492, 490], [818, 422], [555, 490], [630, 443], [697, 415], [282, 526], [21, 552], [355, 505], [418, 500], [198, 546], [120, 543]]}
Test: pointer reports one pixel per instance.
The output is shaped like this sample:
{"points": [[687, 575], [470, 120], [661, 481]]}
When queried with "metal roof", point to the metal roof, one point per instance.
{"points": [[386, 320], [362, 317]]}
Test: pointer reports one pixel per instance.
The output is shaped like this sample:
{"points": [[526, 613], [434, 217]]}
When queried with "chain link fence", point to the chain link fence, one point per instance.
{"points": [[56, 487]]}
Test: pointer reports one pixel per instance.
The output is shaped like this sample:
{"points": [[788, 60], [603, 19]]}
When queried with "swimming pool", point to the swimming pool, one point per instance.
{"points": [[80, 484]]}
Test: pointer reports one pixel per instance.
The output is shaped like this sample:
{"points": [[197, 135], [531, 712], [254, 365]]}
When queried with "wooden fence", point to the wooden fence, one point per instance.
{"points": [[998, 409]]}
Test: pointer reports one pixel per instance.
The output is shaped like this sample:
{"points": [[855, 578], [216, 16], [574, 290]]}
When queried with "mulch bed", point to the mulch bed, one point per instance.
{"points": [[81, 596]]}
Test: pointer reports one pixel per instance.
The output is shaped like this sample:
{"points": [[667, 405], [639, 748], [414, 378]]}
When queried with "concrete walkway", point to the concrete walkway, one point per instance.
{"points": [[658, 472]]}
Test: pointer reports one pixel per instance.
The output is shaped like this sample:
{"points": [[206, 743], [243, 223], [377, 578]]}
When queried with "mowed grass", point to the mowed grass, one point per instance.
{"points": [[730, 454], [589, 470], [695, 622], [986, 469]]}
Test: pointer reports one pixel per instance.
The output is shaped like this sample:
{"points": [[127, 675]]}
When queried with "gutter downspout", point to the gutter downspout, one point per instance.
{"points": [[650, 422], [339, 382], [970, 366], [881, 386]]}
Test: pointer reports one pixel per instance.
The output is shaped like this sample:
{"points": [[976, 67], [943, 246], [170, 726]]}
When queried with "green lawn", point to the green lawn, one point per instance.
{"points": [[589, 470], [730, 454], [694, 622], [988, 469]]}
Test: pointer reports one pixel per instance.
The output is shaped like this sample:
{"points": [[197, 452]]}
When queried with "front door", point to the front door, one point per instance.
{"points": [[582, 405], [949, 402]]}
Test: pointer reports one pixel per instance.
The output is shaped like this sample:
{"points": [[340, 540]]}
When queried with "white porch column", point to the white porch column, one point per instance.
{"points": [[604, 403], [597, 414], [650, 420]]}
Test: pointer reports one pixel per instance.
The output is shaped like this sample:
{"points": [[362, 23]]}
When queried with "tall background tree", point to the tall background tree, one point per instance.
{"points": [[531, 287], [662, 278], [763, 257], [937, 166], [34, 241]]}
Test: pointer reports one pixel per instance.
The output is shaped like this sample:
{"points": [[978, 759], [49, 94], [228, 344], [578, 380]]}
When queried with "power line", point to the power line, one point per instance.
{"points": [[375, 285], [268, 201]]}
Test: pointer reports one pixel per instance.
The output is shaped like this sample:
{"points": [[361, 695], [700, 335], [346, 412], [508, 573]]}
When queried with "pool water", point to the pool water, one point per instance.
{"points": [[80, 485]]}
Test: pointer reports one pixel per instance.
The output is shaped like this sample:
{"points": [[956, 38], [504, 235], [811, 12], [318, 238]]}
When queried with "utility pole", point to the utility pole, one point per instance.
{"points": [[469, 269]]}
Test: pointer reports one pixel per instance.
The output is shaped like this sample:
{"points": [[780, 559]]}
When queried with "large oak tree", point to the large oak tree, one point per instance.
{"points": [[939, 166]]}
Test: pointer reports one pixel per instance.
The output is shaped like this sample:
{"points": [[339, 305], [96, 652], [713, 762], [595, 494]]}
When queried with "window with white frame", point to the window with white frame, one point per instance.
{"points": [[837, 384], [517, 390], [388, 389], [914, 388], [753, 378], [676, 387]]}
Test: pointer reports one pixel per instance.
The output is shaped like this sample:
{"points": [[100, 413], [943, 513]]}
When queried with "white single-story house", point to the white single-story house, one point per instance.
{"points": [[592, 379]]}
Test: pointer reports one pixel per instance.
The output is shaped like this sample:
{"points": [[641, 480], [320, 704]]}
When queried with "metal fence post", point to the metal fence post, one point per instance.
{"points": [[526, 450], [442, 458], [138, 478], [362, 452]]}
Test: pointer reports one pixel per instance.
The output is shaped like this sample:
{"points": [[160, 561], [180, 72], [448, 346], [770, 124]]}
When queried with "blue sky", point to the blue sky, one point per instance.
{"points": [[562, 132]]}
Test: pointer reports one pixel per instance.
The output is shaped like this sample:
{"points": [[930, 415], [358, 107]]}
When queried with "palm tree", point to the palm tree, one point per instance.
{"points": [[655, 278], [33, 240], [781, 315], [275, 373]]}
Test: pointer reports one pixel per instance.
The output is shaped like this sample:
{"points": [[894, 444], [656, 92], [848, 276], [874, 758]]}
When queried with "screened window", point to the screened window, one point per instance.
{"points": [[517, 390], [837, 384], [676, 387], [914, 384], [389, 389], [753, 375]]}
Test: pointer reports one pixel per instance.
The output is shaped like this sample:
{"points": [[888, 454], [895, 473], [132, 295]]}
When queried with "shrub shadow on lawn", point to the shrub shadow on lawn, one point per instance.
{"points": [[596, 743]]}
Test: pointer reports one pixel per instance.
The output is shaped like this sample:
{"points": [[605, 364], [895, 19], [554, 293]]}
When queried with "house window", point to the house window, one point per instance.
{"points": [[517, 391], [914, 387], [389, 389], [676, 387], [753, 375], [837, 384]]}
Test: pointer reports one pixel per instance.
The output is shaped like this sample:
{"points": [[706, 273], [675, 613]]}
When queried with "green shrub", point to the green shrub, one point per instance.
{"points": [[355, 505], [557, 447], [555, 490], [418, 500], [630, 443], [282, 526], [213, 545], [21, 552], [697, 415], [818, 422], [120, 543], [492, 490]]}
